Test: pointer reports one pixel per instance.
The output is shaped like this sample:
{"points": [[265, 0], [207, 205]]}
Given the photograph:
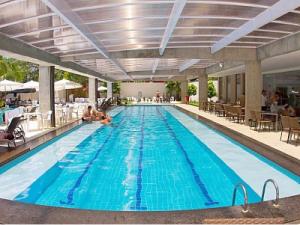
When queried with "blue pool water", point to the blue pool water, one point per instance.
{"points": [[151, 158]]}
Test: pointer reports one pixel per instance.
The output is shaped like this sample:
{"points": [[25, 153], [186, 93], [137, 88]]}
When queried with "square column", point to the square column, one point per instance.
{"points": [[93, 90], [109, 90], [233, 89], [184, 88], [242, 85], [224, 89], [203, 89], [253, 87], [219, 88], [46, 91]]}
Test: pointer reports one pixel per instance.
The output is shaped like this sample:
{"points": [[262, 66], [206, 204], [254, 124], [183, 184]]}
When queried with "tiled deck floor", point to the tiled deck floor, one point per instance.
{"points": [[34, 137], [271, 139]]}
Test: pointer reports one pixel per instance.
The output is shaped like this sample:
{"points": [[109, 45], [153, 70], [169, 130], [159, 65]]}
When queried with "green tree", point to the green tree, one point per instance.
{"points": [[3, 67], [192, 90], [116, 88], [173, 88], [16, 70], [170, 86], [177, 89], [211, 89], [60, 74]]}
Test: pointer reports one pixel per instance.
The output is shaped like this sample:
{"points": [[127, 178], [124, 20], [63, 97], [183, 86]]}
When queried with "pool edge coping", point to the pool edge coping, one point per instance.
{"points": [[15, 212]]}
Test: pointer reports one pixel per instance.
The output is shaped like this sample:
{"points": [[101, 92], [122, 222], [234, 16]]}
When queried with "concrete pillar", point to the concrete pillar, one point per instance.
{"points": [[93, 90], [183, 87], [232, 98], [203, 89], [46, 91], [219, 88], [253, 87], [109, 90], [242, 84], [224, 89]]}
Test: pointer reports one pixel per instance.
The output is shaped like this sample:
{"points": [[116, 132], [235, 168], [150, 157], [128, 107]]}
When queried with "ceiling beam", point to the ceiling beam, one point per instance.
{"points": [[155, 65], [10, 3], [188, 63], [283, 46], [26, 19], [11, 47], [165, 73], [62, 9], [217, 68], [234, 54], [37, 31], [277, 10], [174, 17], [137, 2]]}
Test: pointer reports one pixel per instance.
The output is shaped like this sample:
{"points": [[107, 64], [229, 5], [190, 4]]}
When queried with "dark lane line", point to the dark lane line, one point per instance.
{"points": [[71, 192], [138, 203], [196, 176]]}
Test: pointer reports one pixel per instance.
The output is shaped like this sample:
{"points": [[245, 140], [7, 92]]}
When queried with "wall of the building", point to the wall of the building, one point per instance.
{"points": [[283, 82], [289, 80], [147, 90]]}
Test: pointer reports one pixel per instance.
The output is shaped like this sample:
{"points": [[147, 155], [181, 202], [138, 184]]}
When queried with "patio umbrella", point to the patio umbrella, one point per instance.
{"points": [[65, 84], [23, 90], [8, 85], [101, 88], [31, 85]]}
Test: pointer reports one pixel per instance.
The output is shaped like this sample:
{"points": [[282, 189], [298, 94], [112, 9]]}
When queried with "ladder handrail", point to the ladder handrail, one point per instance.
{"points": [[276, 202], [245, 206]]}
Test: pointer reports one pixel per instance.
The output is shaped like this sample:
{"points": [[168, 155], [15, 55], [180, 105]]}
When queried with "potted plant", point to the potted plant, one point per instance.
{"points": [[191, 91], [211, 89]]}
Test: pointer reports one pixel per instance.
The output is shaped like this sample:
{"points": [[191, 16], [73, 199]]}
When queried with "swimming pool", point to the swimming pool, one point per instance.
{"points": [[151, 158]]}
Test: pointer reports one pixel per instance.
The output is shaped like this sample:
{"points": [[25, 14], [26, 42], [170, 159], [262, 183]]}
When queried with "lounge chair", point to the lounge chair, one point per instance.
{"points": [[13, 132], [104, 107]]}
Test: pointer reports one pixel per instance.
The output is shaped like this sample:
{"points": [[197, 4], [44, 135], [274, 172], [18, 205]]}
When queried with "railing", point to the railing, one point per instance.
{"points": [[245, 206], [276, 202]]}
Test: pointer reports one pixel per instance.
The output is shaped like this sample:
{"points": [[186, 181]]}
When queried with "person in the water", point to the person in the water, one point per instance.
{"points": [[104, 118]]}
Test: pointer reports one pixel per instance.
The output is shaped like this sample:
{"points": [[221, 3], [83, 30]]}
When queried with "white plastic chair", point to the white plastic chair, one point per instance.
{"points": [[69, 113], [46, 119], [59, 116]]}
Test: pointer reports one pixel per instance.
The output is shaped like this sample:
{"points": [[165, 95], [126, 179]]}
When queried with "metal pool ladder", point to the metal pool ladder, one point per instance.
{"points": [[276, 202], [245, 206]]}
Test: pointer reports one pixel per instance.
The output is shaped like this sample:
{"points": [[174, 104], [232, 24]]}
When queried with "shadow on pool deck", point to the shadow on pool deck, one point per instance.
{"points": [[7, 155]]}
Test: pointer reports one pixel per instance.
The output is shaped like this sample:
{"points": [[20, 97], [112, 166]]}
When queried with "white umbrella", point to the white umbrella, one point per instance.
{"points": [[8, 85], [101, 88], [31, 85], [65, 84]]}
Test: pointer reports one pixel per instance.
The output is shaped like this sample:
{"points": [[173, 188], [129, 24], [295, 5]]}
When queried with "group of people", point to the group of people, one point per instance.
{"points": [[272, 103], [93, 115]]}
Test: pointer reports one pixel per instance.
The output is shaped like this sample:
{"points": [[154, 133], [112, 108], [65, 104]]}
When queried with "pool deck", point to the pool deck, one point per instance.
{"points": [[265, 142], [34, 139]]}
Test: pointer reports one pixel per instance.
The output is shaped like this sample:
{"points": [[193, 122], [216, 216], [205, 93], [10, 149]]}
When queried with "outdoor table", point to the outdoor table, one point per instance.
{"points": [[272, 114], [28, 115]]}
